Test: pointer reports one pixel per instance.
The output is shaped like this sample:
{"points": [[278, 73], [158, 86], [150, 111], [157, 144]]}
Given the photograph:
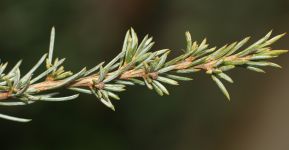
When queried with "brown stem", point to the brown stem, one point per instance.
{"points": [[88, 81]]}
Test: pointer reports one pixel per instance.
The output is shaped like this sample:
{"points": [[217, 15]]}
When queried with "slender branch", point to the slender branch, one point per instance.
{"points": [[134, 65], [139, 73]]}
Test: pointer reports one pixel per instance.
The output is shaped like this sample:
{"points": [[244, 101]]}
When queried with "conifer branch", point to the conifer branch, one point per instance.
{"points": [[136, 64]]}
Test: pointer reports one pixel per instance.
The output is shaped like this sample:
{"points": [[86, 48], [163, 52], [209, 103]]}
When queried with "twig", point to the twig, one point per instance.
{"points": [[135, 64]]}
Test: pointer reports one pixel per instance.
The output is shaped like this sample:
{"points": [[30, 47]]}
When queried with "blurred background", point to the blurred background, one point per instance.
{"points": [[196, 116]]}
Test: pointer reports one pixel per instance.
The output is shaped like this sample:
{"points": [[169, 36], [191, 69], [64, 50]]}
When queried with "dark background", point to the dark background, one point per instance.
{"points": [[195, 116]]}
